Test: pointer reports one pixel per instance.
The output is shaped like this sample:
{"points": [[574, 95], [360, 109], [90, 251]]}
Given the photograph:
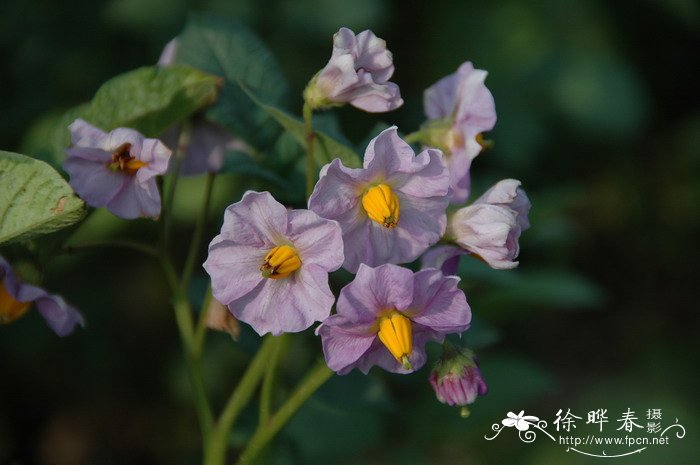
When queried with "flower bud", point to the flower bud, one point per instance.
{"points": [[491, 226], [358, 73], [456, 378]]}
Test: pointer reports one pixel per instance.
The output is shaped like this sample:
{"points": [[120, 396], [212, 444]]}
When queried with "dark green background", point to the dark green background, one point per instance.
{"points": [[597, 115]]}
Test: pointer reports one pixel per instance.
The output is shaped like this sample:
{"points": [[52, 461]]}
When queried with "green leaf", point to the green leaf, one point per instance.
{"points": [[325, 147], [148, 99], [231, 50], [34, 199], [151, 99]]}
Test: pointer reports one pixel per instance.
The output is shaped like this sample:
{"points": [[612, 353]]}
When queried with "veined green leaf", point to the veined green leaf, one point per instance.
{"points": [[34, 199]]}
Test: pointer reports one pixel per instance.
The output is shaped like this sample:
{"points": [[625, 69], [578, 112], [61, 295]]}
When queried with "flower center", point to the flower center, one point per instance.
{"points": [[10, 309], [396, 334], [382, 205], [123, 161], [280, 262]]}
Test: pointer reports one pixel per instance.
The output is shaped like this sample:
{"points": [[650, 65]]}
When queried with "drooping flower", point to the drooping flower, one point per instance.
{"points": [[207, 146], [459, 109], [208, 142], [491, 226], [392, 209], [358, 73], [456, 378], [386, 315], [16, 297], [116, 170], [270, 266]]}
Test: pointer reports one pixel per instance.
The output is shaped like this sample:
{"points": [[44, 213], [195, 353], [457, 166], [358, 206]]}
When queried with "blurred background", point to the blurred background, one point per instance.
{"points": [[598, 116]]}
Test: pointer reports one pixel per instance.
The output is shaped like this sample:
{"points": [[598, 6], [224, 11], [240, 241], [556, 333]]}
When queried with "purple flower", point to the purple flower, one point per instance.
{"points": [[456, 378], [459, 108], [116, 170], [358, 73], [392, 209], [16, 298], [207, 146], [208, 142], [491, 226], [270, 266], [387, 315]]}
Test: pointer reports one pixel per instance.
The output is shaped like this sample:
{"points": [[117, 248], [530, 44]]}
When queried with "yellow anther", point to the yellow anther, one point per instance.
{"points": [[10, 309], [123, 161], [396, 334], [280, 262], [382, 205], [484, 143]]}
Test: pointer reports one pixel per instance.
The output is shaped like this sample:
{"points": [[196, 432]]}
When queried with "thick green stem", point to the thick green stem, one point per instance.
{"points": [[265, 432], [183, 316], [267, 391], [310, 162], [217, 445], [198, 233]]}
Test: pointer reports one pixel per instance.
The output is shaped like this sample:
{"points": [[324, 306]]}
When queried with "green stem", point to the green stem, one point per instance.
{"points": [[183, 317], [169, 197], [310, 162], [200, 331], [313, 380], [198, 233], [267, 391], [413, 137], [215, 448], [184, 323]]}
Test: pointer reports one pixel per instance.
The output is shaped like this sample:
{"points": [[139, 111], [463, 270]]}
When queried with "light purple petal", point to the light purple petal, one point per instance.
{"points": [[286, 305], [89, 135], [337, 190], [136, 199], [508, 193], [375, 290], [444, 258], [426, 176], [93, 182], [459, 165], [317, 240], [490, 231], [358, 73], [157, 155], [60, 317], [234, 268], [438, 303], [167, 56], [257, 220], [344, 345], [388, 153]]}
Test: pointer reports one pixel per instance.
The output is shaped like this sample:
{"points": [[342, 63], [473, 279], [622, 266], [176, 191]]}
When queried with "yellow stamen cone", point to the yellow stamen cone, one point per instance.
{"points": [[396, 334], [10, 309], [382, 205], [280, 262]]}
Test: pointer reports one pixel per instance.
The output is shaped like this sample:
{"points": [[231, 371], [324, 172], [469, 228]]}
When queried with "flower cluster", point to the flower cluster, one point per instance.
{"points": [[270, 266]]}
